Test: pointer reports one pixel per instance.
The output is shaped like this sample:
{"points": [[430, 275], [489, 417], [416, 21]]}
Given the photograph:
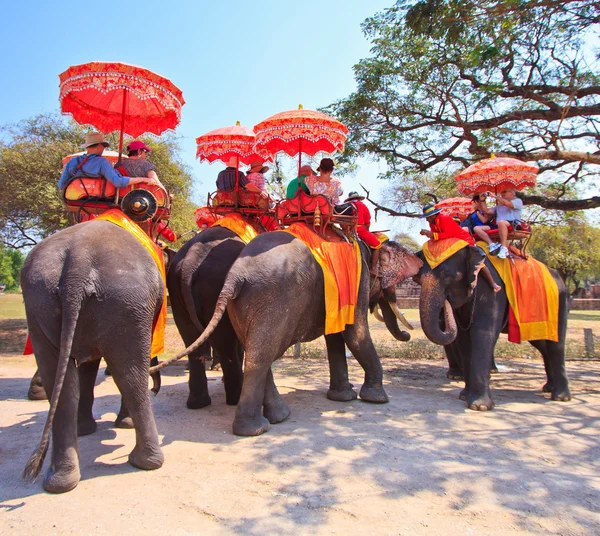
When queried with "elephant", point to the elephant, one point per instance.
{"points": [[90, 290], [195, 279], [274, 296], [473, 317]]}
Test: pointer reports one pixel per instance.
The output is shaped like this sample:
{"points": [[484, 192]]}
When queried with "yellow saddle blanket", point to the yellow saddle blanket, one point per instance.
{"points": [[234, 222], [532, 295], [341, 265], [158, 330], [437, 251]]}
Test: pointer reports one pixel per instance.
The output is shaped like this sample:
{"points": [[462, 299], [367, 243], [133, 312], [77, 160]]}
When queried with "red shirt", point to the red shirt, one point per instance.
{"points": [[364, 216], [446, 227]]}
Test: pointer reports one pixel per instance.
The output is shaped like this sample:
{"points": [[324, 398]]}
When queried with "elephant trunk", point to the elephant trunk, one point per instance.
{"points": [[391, 322], [432, 301]]}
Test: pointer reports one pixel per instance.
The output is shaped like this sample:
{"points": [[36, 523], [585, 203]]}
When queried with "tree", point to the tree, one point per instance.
{"points": [[11, 261], [31, 163], [449, 82], [407, 241], [571, 249]]}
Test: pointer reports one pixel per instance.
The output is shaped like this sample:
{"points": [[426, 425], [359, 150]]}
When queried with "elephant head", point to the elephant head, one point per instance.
{"points": [[396, 264], [447, 286]]}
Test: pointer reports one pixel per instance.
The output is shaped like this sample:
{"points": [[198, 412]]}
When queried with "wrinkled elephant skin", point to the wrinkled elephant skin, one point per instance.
{"points": [[481, 315], [90, 290]]}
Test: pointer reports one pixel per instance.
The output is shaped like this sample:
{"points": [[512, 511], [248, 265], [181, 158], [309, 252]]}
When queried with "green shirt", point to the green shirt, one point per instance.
{"points": [[292, 188]]}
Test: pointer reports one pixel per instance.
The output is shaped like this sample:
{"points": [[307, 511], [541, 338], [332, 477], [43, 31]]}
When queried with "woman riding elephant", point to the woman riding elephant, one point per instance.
{"points": [[453, 287], [91, 290], [274, 296]]}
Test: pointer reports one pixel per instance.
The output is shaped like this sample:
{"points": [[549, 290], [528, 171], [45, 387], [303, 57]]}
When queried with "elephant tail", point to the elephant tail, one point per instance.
{"points": [[229, 291], [187, 280], [71, 308]]}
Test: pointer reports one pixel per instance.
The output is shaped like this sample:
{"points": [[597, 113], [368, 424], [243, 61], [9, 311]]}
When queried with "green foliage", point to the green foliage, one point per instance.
{"points": [[11, 261], [450, 81], [570, 248], [407, 241], [31, 163]]}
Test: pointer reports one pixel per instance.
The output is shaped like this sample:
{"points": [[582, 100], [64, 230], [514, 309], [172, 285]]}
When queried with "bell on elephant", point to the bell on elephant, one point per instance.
{"points": [[139, 205]]}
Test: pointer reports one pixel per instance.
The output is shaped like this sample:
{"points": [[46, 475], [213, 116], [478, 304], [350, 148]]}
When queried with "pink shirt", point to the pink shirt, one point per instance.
{"points": [[258, 179]]}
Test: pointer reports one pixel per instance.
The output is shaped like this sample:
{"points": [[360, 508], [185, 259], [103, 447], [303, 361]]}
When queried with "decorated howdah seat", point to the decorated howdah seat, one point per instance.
{"points": [[227, 202], [518, 237], [314, 210], [88, 197]]}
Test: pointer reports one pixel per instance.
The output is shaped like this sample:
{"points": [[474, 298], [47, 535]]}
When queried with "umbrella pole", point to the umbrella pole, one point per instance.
{"points": [[237, 182], [122, 126]]}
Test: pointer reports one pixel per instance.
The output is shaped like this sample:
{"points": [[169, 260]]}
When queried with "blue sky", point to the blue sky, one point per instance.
{"points": [[233, 60]]}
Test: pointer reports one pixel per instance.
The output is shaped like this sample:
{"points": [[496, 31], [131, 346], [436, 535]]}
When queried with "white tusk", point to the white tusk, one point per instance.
{"points": [[400, 316], [377, 313]]}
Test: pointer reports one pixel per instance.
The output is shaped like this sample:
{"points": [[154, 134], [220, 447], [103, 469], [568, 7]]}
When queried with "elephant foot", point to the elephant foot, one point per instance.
{"points": [[124, 421], [250, 427], [548, 388], [455, 375], [480, 403], [277, 413], [86, 427], [107, 372], [342, 395], [463, 395], [147, 459], [561, 396], [197, 402], [376, 395], [232, 393], [61, 481], [36, 392]]}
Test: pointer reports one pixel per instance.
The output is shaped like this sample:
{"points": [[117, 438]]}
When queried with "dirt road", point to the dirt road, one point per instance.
{"points": [[422, 464]]}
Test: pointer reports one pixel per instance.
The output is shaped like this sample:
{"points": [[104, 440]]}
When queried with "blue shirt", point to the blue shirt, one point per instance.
{"points": [[226, 179], [95, 166]]}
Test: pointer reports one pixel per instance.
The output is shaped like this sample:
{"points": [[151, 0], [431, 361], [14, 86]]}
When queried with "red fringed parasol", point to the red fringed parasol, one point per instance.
{"points": [[497, 174], [300, 131], [117, 96], [230, 142], [460, 207]]}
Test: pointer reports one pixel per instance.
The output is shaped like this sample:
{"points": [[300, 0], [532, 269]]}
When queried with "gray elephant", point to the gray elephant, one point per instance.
{"points": [[195, 279], [454, 288], [91, 290], [274, 295]]}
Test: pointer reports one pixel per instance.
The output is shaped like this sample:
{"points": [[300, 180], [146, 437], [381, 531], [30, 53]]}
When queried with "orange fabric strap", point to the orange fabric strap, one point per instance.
{"points": [[437, 251], [234, 222], [119, 218], [341, 264]]}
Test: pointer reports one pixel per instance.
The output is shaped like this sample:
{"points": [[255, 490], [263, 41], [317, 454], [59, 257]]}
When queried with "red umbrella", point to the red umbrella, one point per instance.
{"points": [[111, 156], [496, 174], [229, 142], [300, 131], [456, 206], [117, 96]]}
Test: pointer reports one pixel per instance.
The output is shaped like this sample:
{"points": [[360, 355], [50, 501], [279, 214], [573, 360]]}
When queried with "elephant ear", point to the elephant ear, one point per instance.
{"points": [[396, 263], [475, 262]]}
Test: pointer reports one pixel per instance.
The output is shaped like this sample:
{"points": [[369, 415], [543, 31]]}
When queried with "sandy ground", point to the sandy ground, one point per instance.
{"points": [[422, 464]]}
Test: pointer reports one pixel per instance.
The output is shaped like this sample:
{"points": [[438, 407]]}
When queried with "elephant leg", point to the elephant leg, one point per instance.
{"points": [[131, 378], [198, 396], [124, 419], [359, 342], [156, 379], [275, 409], [249, 420], [554, 362], [86, 423], [36, 388], [228, 351], [340, 389], [455, 372], [479, 356], [63, 474]]}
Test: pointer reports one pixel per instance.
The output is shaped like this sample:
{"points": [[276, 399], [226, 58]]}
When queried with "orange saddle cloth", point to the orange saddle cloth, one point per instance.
{"points": [[532, 295], [341, 264]]}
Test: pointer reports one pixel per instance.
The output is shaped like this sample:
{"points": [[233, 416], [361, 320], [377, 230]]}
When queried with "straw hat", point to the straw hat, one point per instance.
{"points": [[354, 195], [256, 166], [93, 138]]}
